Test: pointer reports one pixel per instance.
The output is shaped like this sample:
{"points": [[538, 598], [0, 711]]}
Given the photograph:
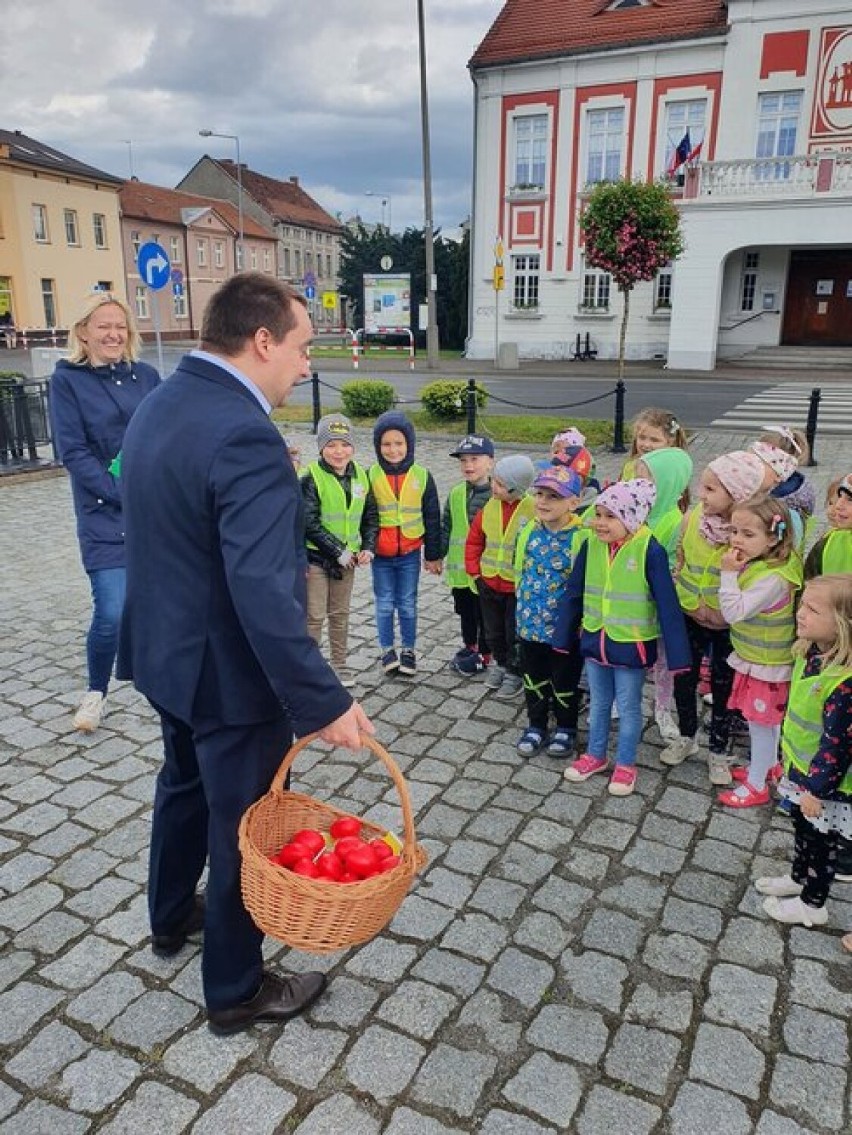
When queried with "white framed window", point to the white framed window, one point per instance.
{"points": [[135, 242], [99, 229], [253, 258], [604, 144], [663, 289], [525, 280], [218, 254], [748, 281], [287, 262], [40, 230], [72, 230], [267, 260], [597, 286], [239, 256], [201, 253], [141, 301], [48, 298], [180, 306], [777, 131], [530, 150], [328, 268], [684, 119], [298, 260], [174, 249]]}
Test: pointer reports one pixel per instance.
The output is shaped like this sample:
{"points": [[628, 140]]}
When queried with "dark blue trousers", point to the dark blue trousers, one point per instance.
{"points": [[208, 779]]}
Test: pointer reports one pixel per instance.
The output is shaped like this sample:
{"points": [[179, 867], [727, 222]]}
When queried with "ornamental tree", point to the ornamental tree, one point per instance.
{"points": [[632, 230]]}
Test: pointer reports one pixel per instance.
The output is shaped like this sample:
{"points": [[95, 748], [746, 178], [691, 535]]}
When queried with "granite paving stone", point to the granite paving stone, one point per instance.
{"points": [[543, 933], [816, 1036], [485, 1015], [345, 1003], [98, 1080], [152, 1020], [444, 967], [595, 978], [22, 1006], [154, 1107], [83, 964], [812, 984], [46, 1054], [547, 1087], [499, 898], [662, 1008], [52, 933], [727, 1059], [39, 1115], [565, 1031], [606, 1111], [704, 922], [475, 935], [612, 932], [676, 955], [792, 1091], [206, 1061], [521, 976], [338, 1113], [254, 1105], [406, 1121], [499, 1122], [382, 959], [695, 1102], [383, 1062], [643, 1058], [453, 1079], [417, 1008], [741, 998]]}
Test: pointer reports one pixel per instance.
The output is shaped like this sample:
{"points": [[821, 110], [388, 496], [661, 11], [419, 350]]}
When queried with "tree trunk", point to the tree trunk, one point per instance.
{"points": [[622, 339]]}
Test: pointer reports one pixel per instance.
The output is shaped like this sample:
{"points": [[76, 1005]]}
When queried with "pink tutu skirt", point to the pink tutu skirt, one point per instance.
{"points": [[762, 702]]}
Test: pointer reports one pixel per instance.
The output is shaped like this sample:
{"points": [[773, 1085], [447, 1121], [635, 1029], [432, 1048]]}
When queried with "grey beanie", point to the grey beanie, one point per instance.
{"points": [[334, 427], [516, 472]]}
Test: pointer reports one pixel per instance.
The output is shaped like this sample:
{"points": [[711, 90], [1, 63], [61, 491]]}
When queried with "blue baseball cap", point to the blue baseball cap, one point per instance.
{"points": [[474, 446], [560, 480]]}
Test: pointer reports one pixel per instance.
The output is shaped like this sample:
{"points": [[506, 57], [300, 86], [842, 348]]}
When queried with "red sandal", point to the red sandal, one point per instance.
{"points": [[739, 773], [752, 798]]}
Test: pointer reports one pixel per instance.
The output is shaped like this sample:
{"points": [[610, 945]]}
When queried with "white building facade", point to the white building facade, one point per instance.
{"points": [[758, 92]]}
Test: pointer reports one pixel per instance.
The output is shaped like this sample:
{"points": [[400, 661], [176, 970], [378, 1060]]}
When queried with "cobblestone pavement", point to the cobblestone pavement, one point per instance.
{"points": [[567, 962]]}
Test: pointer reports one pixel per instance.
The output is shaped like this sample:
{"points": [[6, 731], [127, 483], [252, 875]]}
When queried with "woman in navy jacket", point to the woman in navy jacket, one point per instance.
{"points": [[93, 395]]}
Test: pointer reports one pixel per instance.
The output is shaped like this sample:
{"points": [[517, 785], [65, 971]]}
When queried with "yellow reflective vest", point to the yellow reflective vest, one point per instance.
{"points": [[837, 552], [341, 520], [498, 555], [802, 728], [404, 512], [454, 571], [617, 597], [699, 577], [767, 638]]}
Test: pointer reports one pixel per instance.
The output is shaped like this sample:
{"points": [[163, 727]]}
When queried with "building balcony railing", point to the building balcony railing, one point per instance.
{"points": [[800, 175]]}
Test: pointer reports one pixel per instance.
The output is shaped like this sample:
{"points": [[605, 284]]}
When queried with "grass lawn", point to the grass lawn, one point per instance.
{"points": [[532, 429]]}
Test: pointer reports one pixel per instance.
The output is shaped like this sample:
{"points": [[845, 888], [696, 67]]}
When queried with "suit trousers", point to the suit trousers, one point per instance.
{"points": [[210, 775], [330, 598]]}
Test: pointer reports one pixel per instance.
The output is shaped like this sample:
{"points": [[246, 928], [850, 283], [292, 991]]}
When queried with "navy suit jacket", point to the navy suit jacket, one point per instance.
{"points": [[214, 628]]}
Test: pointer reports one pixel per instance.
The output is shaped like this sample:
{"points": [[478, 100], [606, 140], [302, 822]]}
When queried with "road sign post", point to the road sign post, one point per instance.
{"points": [[155, 271]]}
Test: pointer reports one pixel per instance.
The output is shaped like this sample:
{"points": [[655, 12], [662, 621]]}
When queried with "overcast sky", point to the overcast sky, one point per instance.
{"points": [[325, 89]]}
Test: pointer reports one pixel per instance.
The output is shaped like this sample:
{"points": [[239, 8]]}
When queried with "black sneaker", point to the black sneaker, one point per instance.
{"points": [[390, 661], [468, 663], [407, 662]]}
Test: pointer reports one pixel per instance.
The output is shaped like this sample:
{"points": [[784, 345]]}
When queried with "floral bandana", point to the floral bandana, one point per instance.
{"points": [[783, 464], [741, 474], [629, 501]]}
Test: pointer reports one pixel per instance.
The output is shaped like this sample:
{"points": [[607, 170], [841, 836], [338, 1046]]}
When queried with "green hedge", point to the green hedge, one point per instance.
{"points": [[365, 398], [448, 400]]}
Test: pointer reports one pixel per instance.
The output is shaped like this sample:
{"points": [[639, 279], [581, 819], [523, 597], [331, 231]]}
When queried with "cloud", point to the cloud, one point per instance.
{"points": [[329, 91]]}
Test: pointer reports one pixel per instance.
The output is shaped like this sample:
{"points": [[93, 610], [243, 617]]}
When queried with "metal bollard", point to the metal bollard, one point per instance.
{"points": [[811, 427], [618, 422], [315, 400], [470, 402]]}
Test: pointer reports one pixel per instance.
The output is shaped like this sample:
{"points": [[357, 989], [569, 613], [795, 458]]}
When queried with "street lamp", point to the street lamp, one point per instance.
{"points": [[385, 199], [432, 349], [129, 146], [236, 141]]}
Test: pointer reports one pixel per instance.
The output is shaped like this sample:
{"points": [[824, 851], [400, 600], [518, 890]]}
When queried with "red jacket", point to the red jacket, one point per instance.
{"points": [[475, 545]]}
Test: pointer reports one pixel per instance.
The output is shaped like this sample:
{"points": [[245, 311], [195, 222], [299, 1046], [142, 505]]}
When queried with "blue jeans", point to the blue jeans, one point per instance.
{"points": [[395, 580], [624, 685], [108, 587]]}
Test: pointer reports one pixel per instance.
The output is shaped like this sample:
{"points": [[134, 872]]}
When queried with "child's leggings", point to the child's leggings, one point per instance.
{"points": [[721, 683], [814, 860]]}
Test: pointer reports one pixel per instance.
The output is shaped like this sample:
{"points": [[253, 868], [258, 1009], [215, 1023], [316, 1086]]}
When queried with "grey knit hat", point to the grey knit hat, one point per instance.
{"points": [[334, 427], [516, 472]]}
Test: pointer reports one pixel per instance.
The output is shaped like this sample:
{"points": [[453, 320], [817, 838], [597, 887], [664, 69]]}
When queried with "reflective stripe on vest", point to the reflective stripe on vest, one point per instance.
{"points": [[837, 552], [498, 555], [699, 578], [406, 511], [802, 729], [454, 571], [341, 521], [767, 638], [617, 597]]}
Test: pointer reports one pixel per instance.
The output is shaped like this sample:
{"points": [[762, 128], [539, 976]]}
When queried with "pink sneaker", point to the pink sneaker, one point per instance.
{"points": [[623, 780], [584, 767]]}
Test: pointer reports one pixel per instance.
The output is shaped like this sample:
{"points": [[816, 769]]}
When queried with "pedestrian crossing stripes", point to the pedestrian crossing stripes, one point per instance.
{"points": [[787, 404]]}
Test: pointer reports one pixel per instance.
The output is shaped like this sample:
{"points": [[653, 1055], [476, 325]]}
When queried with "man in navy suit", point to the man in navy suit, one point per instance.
{"points": [[214, 632]]}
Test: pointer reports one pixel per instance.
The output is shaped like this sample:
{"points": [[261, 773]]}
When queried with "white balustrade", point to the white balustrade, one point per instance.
{"points": [[793, 176]]}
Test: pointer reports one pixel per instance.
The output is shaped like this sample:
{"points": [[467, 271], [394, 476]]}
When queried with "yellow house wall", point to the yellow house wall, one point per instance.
{"points": [[75, 270]]}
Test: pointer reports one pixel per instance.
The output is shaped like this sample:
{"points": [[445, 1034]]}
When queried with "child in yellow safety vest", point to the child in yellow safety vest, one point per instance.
{"points": [[489, 557], [476, 459], [816, 746], [621, 599], [705, 531], [341, 525], [670, 469], [652, 428], [409, 528], [761, 577], [832, 553]]}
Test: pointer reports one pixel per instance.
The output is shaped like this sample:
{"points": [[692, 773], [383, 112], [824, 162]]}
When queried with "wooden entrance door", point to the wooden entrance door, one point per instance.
{"points": [[818, 305]]}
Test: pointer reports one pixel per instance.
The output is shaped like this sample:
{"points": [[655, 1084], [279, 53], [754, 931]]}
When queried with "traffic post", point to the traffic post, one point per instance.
{"points": [[155, 271]]}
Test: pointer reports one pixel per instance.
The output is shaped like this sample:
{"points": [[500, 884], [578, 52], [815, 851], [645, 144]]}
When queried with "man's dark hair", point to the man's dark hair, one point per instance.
{"points": [[242, 305]]}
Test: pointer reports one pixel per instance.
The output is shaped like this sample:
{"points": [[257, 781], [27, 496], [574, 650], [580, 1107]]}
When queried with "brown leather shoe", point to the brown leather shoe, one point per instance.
{"points": [[278, 999], [166, 945]]}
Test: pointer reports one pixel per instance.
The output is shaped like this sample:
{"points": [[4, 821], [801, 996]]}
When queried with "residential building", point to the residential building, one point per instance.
{"points": [[59, 233], [200, 237], [308, 236], [748, 104]]}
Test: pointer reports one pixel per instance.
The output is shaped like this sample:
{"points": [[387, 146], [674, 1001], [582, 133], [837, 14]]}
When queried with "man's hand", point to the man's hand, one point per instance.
{"points": [[811, 806], [345, 731]]}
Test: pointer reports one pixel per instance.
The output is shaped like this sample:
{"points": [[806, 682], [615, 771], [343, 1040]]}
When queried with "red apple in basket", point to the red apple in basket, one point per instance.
{"points": [[348, 844], [289, 854], [380, 849], [388, 864], [345, 826], [305, 867], [330, 866], [362, 861], [312, 840]]}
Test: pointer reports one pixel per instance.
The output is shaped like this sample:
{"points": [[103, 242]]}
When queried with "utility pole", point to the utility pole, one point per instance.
{"points": [[432, 346]]}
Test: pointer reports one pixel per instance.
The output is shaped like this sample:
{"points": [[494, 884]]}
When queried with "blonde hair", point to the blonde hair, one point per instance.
{"points": [[78, 351], [840, 653], [790, 441], [831, 491], [772, 514], [663, 420]]}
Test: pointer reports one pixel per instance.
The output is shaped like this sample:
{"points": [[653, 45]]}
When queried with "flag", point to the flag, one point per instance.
{"points": [[681, 154], [694, 152]]}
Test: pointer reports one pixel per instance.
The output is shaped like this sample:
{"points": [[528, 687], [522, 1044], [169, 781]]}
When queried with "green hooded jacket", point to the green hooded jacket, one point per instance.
{"points": [[671, 470]]}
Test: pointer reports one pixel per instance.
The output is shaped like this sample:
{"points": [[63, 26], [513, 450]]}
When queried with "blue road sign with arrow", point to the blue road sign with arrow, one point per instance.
{"points": [[153, 264]]}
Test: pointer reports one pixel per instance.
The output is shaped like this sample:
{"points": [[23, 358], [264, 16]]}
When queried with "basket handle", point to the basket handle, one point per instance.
{"points": [[409, 835]]}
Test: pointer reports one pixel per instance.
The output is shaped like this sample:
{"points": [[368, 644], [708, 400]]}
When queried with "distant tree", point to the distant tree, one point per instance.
{"points": [[632, 230]]}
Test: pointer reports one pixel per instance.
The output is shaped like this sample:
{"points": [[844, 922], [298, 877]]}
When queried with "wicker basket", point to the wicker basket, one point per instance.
{"points": [[313, 914]]}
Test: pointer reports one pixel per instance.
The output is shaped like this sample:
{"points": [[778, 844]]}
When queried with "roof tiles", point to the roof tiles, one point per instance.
{"points": [[284, 200], [168, 206]]}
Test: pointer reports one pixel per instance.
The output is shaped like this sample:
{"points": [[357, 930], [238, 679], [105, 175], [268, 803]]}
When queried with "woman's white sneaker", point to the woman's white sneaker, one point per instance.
{"points": [[88, 716]]}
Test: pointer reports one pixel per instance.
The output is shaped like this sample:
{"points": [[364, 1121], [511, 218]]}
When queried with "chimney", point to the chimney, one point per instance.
{"points": [[295, 181]]}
